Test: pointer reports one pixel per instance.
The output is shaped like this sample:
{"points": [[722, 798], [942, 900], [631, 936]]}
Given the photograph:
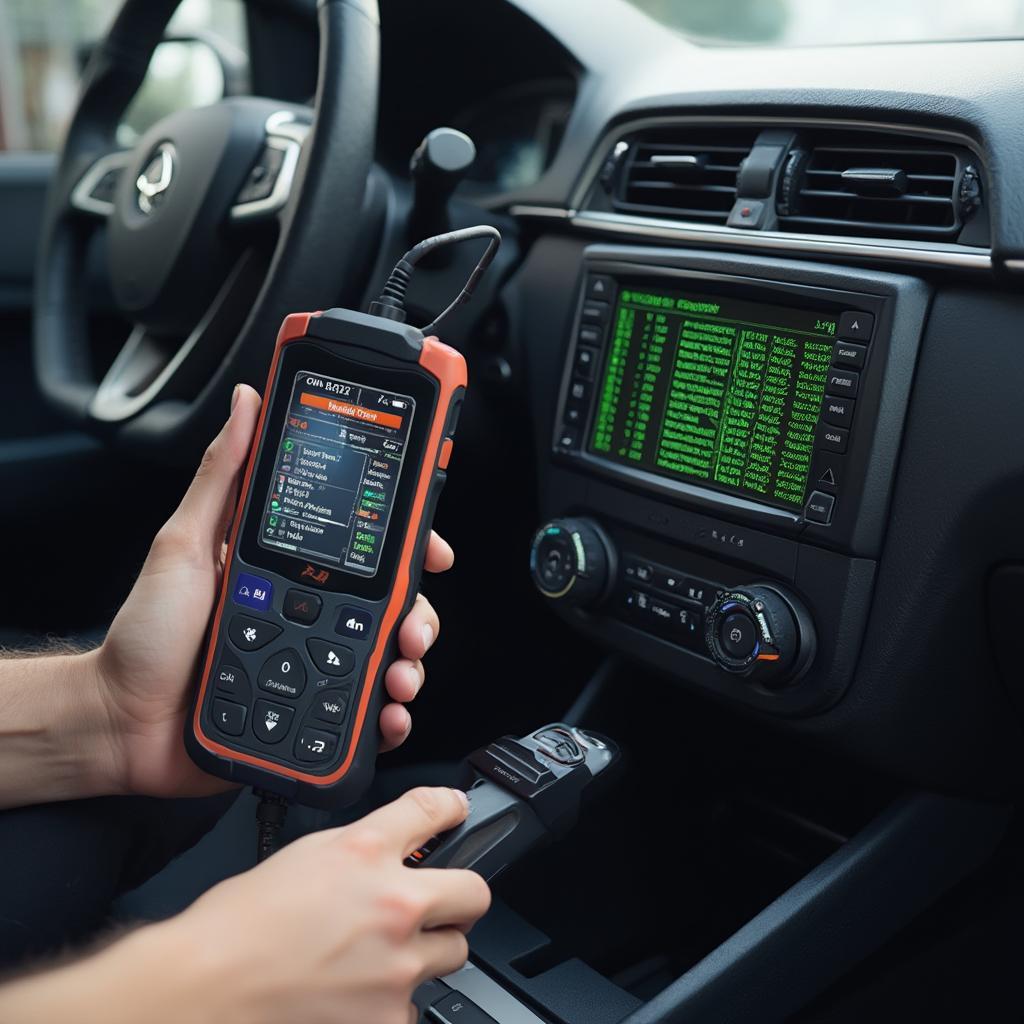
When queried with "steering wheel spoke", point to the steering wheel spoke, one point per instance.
{"points": [[94, 192], [268, 186]]}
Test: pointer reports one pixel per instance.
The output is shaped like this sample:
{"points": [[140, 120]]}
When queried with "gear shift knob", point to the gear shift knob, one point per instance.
{"points": [[437, 166]]}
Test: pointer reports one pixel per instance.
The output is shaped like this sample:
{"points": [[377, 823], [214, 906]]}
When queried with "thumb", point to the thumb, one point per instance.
{"points": [[206, 508]]}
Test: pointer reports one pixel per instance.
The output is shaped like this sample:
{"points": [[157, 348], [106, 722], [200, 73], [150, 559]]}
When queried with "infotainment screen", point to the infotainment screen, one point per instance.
{"points": [[713, 390]]}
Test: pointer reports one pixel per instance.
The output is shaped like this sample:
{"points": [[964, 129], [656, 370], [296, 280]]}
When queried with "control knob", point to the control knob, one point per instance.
{"points": [[762, 632], [572, 560]]}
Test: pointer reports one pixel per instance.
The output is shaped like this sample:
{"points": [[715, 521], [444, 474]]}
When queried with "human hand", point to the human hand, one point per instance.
{"points": [[333, 929], [146, 667]]}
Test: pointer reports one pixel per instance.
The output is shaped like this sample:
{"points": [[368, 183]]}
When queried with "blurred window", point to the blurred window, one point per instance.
{"points": [[44, 45]]}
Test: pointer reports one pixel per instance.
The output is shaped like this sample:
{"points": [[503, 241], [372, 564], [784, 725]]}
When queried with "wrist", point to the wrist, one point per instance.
{"points": [[56, 734]]}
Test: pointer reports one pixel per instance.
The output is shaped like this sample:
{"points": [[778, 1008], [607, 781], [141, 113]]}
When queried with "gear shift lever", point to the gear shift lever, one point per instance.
{"points": [[521, 792]]}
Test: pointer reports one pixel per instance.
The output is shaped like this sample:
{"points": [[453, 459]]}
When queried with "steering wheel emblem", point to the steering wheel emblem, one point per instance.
{"points": [[155, 179]]}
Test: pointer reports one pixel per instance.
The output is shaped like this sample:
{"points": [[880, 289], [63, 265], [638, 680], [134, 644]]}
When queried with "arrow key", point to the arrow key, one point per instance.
{"points": [[270, 721]]}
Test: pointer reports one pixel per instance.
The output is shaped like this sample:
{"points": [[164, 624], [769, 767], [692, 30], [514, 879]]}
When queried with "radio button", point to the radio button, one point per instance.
{"points": [[827, 471], [579, 391], [315, 745], [585, 360], [819, 508], [330, 707], [283, 673], [832, 439], [229, 717], [270, 721], [250, 634], [853, 356], [331, 659], [230, 678], [574, 413], [569, 438], [599, 287], [689, 625], [843, 382], [856, 326], [354, 622], [595, 312], [301, 606], [838, 411], [640, 571]]}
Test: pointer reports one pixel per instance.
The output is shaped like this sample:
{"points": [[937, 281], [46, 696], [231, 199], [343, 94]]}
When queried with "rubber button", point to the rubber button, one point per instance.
{"points": [[301, 606], [330, 707], [283, 673], [229, 717], [270, 722], [248, 633], [230, 678], [333, 659], [354, 622], [315, 745]]}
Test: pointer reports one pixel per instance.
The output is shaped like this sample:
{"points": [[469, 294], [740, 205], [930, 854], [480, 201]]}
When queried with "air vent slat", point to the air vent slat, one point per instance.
{"points": [[909, 197], [912, 196], [684, 172]]}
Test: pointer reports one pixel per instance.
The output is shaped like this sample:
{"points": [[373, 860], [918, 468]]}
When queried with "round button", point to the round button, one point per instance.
{"points": [[283, 673], [738, 634]]}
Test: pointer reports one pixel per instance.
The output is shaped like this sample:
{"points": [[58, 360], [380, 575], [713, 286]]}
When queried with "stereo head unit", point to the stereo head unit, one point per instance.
{"points": [[718, 390]]}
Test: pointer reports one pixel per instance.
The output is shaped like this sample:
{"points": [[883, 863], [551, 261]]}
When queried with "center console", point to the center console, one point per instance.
{"points": [[720, 462]]}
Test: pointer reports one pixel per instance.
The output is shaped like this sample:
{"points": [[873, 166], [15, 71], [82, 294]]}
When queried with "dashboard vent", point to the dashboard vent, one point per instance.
{"points": [[686, 173], [875, 184]]}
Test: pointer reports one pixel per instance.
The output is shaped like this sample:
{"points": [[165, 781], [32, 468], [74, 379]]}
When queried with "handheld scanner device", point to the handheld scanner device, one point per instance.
{"points": [[522, 793], [325, 555]]}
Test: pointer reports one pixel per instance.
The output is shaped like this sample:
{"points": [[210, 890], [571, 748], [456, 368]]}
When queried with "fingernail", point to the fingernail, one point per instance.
{"points": [[234, 396], [414, 678], [428, 636], [462, 796]]}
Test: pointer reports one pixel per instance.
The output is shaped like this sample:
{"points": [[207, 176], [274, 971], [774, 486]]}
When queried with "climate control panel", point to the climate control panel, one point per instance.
{"points": [[759, 631]]}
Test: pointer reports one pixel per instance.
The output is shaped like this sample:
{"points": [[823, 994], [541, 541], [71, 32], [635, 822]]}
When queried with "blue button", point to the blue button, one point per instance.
{"points": [[253, 591]]}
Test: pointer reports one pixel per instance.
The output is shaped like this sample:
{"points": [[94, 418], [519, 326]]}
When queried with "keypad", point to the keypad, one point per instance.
{"points": [[301, 717]]}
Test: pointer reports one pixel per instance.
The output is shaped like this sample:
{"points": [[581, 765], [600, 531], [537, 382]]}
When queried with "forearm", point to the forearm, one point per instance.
{"points": [[55, 730], [150, 975]]}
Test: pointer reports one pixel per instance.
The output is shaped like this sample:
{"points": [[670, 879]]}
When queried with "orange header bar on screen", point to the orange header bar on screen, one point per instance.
{"points": [[357, 412]]}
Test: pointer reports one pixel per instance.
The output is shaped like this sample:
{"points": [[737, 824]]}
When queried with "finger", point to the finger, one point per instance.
{"points": [[440, 556], [460, 897], [404, 679], [411, 820], [395, 726], [207, 505], [419, 629], [441, 952]]}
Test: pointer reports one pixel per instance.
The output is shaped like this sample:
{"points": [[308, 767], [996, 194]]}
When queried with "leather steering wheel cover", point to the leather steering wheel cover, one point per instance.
{"points": [[318, 242]]}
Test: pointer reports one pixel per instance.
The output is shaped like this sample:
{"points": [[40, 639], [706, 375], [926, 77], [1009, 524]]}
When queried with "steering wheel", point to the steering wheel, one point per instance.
{"points": [[219, 222]]}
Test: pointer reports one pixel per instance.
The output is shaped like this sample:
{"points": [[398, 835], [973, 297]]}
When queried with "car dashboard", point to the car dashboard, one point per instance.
{"points": [[765, 330]]}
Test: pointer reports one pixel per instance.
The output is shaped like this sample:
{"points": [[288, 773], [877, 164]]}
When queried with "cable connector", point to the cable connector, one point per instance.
{"points": [[391, 301], [271, 812]]}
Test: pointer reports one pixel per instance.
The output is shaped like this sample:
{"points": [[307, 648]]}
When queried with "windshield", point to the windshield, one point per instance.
{"points": [[820, 22]]}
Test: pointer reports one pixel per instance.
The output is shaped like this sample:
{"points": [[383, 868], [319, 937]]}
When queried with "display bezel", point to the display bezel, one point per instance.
{"points": [[319, 357], [822, 300]]}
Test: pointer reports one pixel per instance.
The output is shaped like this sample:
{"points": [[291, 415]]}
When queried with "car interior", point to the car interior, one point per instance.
{"points": [[736, 492]]}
